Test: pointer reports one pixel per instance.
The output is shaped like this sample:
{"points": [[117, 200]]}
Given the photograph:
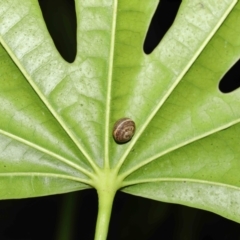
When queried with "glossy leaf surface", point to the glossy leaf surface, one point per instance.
{"points": [[57, 118]]}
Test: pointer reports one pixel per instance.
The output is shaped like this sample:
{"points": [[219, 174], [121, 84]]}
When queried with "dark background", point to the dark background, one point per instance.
{"points": [[132, 217]]}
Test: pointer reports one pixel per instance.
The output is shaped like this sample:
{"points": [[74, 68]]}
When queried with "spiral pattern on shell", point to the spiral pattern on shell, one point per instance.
{"points": [[123, 130]]}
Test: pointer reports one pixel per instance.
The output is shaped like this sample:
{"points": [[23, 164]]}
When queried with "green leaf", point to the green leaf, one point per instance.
{"points": [[191, 154], [57, 118]]}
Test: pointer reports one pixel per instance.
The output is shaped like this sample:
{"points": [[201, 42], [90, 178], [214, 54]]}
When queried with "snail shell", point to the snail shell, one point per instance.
{"points": [[123, 130]]}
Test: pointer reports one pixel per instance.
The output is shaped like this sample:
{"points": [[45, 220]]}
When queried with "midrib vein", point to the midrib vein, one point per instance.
{"points": [[174, 180], [46, 151], [109, 85], [50, 175], [183, 144]]}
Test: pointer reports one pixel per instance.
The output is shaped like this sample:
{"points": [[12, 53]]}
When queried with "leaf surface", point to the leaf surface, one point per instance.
{"points": [[57, 118], [196, 159]]}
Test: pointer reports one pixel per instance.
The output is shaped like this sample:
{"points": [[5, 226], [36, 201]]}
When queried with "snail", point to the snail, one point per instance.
{"points": [[123, 130]]}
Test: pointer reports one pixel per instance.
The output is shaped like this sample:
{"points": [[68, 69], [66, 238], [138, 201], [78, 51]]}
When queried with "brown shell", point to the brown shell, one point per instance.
{"points": [[123, 130]]}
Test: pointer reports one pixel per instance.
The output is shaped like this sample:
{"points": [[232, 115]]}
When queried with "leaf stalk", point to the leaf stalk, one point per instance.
{"points": [[105, 202]]}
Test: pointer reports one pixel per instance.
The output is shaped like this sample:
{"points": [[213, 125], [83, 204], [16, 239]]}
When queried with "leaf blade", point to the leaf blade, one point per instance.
{"points": [[196, 108], [149, 93]]}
